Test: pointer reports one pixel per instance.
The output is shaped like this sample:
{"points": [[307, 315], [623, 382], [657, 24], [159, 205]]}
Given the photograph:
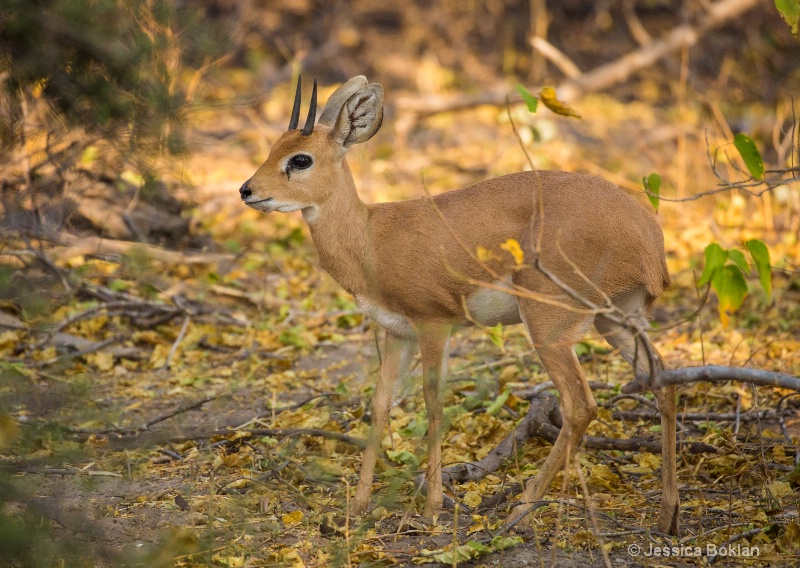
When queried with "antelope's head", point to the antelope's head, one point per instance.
{"points": [[305, 167]]}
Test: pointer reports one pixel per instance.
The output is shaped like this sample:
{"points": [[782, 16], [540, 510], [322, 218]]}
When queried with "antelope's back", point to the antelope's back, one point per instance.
{"points": [[588, 222]]}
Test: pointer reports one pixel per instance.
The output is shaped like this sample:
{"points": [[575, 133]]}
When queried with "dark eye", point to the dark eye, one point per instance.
{"points": [[300, 162]]}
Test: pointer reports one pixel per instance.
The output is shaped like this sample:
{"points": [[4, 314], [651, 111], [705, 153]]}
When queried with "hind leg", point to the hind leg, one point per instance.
{"points": [[554, 331], [633, 348]]}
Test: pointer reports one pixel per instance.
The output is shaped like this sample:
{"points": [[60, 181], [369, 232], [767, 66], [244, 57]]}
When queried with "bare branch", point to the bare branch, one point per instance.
{"points": [[718, 373], [556, 57], [540, 421], [598, 79]]}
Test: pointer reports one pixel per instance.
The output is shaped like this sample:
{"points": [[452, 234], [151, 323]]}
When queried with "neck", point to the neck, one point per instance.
{"points": [[339, 228]]}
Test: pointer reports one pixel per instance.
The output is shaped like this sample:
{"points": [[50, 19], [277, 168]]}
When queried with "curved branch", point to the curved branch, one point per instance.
{"points": [[542, 417], [540, 421], [717, 373]]}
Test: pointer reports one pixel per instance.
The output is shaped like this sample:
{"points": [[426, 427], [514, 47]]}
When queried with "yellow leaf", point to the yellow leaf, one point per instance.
{"points": [[159, 356], [780, 488], [75, 261], [230, 561], [484, 255], [635, 469], [789, 541], [472, 499], [93, 325], [583, 537], [760, 517], [293, 518], [97, 440], [512, 246], [38, 88], [291, 557], [648, 460], [103, 360], [9, 338], [548, 97], [602, 476]]}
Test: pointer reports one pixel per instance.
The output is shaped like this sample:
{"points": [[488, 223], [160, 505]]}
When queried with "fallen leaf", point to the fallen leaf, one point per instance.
{"points": [[292, 519]]}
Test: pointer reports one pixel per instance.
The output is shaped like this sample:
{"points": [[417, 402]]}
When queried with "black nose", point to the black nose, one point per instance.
{"points": [[245, 191]]}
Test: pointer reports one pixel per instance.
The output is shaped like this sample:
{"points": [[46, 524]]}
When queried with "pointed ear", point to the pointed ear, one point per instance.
{"points": [[360, 117], [331, 111]]}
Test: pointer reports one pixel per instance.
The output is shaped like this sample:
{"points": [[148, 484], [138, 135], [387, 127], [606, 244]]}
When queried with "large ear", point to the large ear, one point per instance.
{"points": [[360, 117], [331, 111]]}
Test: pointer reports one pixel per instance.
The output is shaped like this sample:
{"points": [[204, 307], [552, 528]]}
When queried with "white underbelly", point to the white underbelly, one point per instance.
{"points": [[486, 306], [489, 306]]}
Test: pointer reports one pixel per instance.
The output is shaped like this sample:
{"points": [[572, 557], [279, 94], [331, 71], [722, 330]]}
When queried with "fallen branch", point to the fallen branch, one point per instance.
{"points": [[434, 104], [275, 433], [72, 342], [718, 373], [543, 415], [91, 347], [134, 430], [542, 406], [181, 410], [702, 416], [61, 471], [540, 422], [100, 246], [685, 35], [556, 57], [176, 343]]}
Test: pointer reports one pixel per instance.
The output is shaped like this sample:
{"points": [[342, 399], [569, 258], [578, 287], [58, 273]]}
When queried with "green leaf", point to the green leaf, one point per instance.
{"points": [[415, 429], [501, 542], [459, 554], [652, 186], [737, 257], [729, 284], [790, 11], [403, 457], [760, 253], [496, 335], [716, 257], [498, 403], [529, 99], [478, 546], [749, 153]]}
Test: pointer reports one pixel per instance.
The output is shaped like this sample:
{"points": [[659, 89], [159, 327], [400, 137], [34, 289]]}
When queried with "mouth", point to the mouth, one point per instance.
{"points": [[262, 204]]}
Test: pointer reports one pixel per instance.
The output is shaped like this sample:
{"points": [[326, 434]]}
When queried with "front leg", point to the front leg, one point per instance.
{"points": [[434, 342], [397, 355]]}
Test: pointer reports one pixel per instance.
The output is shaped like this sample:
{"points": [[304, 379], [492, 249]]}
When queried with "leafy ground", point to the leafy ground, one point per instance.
{"points": [[213, 413]]}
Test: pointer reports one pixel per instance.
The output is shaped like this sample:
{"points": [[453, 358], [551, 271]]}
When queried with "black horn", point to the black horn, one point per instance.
{"points": [[312, 112], [296, 109]]}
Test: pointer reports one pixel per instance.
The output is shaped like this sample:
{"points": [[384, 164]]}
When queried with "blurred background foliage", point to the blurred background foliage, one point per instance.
{"points": [[130, 70], [114, 66]]}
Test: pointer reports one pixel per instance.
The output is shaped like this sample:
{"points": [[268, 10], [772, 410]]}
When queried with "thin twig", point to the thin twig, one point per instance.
{"points": [[177, 342], [86, 351]]}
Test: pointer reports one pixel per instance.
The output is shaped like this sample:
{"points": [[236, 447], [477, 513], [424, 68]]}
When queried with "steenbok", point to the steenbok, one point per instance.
{"points": [[411, 266]]}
